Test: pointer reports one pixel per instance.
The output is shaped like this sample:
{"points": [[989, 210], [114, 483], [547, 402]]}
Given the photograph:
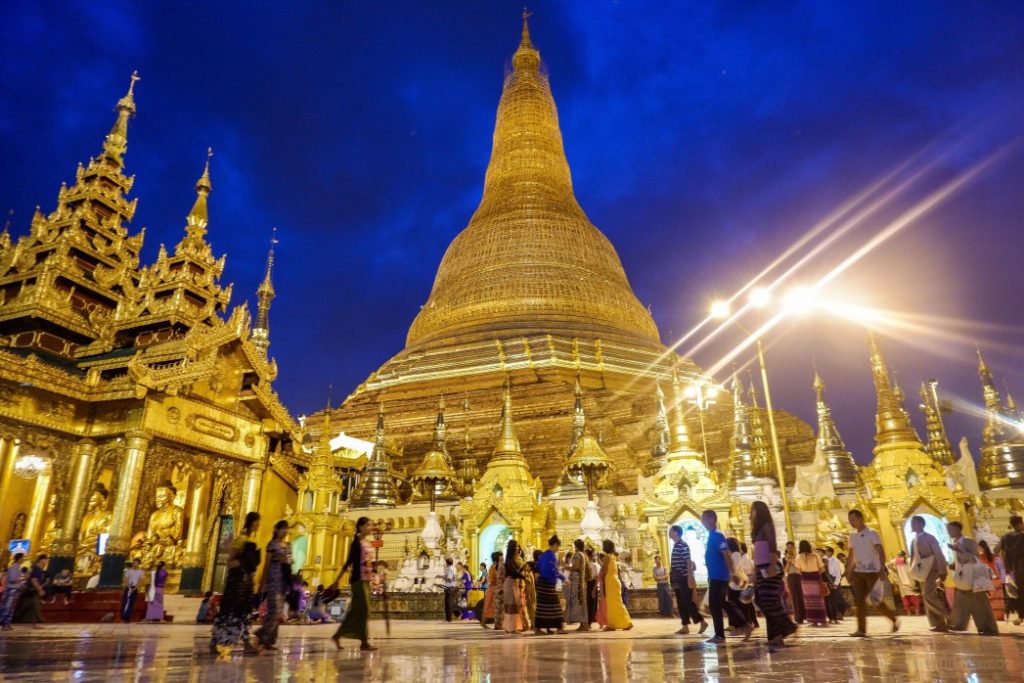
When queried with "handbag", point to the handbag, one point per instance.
{"points": [[963, 577], [921, 568], [982, 579], [877, 593]]}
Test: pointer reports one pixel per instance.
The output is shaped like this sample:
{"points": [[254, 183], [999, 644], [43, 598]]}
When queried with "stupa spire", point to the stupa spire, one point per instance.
{"points": [[1002, 447], [679, 442], [116, 143], [199, 216], [938, 443], [376, 487], [841, 467], [892, 424], [508, 444], [264, 295], [492, 276], [662, 439], [741, 457], [579, 417], [758, 441]]}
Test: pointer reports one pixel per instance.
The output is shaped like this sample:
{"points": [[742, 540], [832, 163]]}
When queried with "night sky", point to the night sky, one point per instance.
{"points": [[704, 139]]}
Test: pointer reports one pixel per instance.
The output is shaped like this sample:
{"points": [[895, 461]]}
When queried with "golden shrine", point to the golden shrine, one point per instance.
{"points": [[137, 414]]}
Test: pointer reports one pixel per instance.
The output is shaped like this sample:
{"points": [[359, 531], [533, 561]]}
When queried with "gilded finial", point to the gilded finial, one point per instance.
{"points": [[116, 142], [199, 216], [203, 184], [526, 56], [128, 101]]}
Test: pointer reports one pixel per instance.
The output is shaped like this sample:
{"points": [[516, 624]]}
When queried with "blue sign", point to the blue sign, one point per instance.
{"points": [[18, 545]]}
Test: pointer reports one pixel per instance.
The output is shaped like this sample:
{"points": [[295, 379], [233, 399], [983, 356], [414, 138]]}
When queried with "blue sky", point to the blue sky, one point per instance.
{"points": [[703, 137]]}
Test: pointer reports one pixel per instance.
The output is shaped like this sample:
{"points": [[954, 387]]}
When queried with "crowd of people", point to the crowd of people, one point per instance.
{"points": [[547, 591]]}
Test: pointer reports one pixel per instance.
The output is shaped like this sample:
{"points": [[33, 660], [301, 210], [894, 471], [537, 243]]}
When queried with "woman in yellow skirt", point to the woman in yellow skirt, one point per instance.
{"points": [[611, 612]]}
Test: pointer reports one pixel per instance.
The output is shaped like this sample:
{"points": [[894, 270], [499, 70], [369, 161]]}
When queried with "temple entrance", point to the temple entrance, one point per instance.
{"points": [[696, 536], [936, 526], [493, 538]]}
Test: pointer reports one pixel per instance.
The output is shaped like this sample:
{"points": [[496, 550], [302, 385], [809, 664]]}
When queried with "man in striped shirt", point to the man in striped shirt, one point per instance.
{"points": [[682, 581]]}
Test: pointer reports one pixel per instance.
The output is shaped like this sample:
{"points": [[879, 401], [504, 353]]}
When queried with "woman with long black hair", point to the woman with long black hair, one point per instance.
{"points": [[357, 619], [232, 621], [512, 593], [768, 586]]}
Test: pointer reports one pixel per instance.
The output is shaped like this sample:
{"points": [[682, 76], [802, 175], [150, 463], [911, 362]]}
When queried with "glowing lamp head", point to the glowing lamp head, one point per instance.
{"points": [[759, 297], [720, 310], [801, 300]]}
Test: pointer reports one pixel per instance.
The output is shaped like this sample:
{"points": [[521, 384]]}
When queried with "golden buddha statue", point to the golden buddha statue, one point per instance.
{"points": [[830, 531], [163, 540], [96, 522]]}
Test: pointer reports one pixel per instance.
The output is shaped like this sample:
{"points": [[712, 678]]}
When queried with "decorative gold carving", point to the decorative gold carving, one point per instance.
{"points": [[211, 427]]}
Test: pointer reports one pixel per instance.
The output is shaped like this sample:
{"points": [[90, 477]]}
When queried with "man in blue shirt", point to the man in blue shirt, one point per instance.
{"points": [[720, 572], [682, 582]]}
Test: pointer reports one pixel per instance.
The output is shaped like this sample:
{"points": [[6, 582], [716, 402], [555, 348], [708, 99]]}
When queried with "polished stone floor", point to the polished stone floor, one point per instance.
{"points": [[424, 651]]}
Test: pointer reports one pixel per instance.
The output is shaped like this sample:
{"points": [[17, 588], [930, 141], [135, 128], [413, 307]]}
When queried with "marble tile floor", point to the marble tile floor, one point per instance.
{"points": [[431, 651]]}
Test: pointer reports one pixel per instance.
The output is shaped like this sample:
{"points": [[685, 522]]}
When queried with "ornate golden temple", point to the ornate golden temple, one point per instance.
{"points": [[534, 395], [137, 414]]}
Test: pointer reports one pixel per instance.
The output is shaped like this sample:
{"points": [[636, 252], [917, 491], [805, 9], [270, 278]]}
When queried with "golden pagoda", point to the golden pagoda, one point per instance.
{"points": [[1002, 448], [905, 478], [841, 467], [532, 289], [376, 486], [133, 392]]}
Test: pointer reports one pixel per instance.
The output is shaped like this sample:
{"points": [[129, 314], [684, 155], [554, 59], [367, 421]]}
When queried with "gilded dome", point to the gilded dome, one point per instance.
{"points": [[530, 260]]}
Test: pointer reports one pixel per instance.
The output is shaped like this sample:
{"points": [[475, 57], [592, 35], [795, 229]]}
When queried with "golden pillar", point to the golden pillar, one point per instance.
{"points": [[129, 482], [253, 485], [8, 448], [82, 455], [195, 558], [892, 536], [37, 510]]}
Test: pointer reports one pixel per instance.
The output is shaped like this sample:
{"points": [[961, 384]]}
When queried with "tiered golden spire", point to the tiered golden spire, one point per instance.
{"points": [[507, 447], [662, 439], [938, 443], [679, 442], [435, 472], [264, 295], [741, 458], [467, 472], [530, 261], [376, 487], [199, 216], [841, 466], [1002, 447], [587, 462], [116, 142], [891, 422], [579, 417], [758, 441]]}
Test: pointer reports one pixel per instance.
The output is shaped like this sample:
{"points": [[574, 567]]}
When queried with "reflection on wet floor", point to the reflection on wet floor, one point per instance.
{"points": [[423, 651]]}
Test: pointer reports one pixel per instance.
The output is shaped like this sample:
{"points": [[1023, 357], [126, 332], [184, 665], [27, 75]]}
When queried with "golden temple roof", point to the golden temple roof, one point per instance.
{"points": [[530, 260]]}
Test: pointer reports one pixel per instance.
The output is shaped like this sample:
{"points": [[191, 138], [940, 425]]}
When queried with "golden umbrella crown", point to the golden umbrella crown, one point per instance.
{"points": [[588, 458], [434, 468]]}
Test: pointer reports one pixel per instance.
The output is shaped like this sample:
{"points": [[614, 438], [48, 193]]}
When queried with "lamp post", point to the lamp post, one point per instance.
{"points": [[759, 298], [695, 393]]}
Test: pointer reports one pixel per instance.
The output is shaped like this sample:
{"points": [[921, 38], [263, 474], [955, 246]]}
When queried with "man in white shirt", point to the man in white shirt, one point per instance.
{"points": [[451, 593], [865, 566], [132, 581], [835, 569], [926, 546]]}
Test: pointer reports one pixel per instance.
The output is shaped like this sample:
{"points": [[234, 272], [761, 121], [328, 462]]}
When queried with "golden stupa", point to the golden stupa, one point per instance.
{"points": [[532, 290]]}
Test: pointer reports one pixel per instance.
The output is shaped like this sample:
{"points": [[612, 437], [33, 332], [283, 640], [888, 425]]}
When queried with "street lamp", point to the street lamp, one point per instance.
{"points": [[800, 301], [702, 393]]}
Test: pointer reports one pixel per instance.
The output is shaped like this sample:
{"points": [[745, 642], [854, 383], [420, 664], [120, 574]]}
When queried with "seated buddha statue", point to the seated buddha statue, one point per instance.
{"points": [[163, 540], [95, 522], [830, 531]]}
